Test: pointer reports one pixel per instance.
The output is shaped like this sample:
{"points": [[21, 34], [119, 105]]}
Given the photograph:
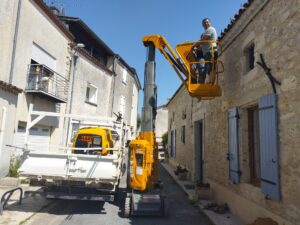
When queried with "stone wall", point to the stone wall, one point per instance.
{"points": [[274, 32], [179, 114], [273, 28]]}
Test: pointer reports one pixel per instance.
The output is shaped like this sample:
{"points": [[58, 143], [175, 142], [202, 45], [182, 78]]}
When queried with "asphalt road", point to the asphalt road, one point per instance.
{"points": [[179, 211]]}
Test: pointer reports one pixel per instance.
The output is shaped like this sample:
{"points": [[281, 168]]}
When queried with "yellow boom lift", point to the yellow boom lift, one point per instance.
{"points": [[145, 196], [184, 63]]}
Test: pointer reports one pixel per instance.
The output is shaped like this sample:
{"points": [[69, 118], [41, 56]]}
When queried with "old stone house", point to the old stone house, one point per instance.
{"points": [[245, 143]]}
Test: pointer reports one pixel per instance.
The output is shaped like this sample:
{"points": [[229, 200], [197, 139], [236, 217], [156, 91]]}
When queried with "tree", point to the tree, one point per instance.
{"points": [[138, 122], [165, 140]]}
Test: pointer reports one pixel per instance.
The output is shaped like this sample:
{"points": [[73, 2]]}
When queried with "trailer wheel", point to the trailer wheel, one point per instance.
{"points": [[127, 207]]}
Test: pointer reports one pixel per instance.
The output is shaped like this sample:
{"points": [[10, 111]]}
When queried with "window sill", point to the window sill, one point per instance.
{"points": [[91, 103]]}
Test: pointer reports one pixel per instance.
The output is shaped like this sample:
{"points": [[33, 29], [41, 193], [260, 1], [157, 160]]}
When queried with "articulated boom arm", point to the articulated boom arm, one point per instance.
{"points": [[185, 64], [162, 44]]}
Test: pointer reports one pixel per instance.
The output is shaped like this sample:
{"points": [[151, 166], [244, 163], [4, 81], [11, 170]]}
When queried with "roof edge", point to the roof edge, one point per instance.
{"points": [[10, 88], [53, 17]]}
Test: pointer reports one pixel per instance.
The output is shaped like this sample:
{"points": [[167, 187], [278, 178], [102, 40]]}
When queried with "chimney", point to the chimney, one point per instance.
{"points": [[56, 11]]}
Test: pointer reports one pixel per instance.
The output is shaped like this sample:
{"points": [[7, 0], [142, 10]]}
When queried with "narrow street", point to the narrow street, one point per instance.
{"points": [[179, 211]]}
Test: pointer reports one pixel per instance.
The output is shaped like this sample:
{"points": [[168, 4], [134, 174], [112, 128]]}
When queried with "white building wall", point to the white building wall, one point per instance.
{"points": [[34, 26], [8, 10], [87, 72], [122, 89], [161, 123], [129, 90], [8, 102], [134, 111]]}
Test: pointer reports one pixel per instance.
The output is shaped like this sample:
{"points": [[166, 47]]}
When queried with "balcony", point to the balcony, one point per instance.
{"points": [[46, 83]]}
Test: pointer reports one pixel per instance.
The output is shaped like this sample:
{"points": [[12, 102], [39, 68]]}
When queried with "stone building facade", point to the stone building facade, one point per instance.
{"points": [[247, 140]]}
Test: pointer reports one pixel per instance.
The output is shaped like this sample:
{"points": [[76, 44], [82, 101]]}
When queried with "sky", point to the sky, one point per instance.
{"points": [[121, 24]]}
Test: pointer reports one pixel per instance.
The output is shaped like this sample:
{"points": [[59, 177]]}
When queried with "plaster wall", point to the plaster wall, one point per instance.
{"points": [[8, 11], [8, 101], [161, 123], [123, 89], [88, 73], [134, 111], [36, 28]]}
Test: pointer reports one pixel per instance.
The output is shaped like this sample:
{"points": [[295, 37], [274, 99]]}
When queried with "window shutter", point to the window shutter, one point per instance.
{"points": [[175, 143], [270, 184], [233, 152], [172, 143]]}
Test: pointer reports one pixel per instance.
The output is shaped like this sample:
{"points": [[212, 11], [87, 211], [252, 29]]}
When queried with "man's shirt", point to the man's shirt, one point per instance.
{"points": [[211, 35]]}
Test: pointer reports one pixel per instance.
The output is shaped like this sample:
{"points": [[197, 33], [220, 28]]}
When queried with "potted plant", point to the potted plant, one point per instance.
{"points": [[181, 172]]}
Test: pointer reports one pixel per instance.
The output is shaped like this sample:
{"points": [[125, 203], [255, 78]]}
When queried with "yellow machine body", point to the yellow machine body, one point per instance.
{"points": [[93, 137], [184, 63], [143, 162]]}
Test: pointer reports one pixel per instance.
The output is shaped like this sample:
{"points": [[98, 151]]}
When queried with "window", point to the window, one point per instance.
{"points": [[254, 142], [249, 56], [43, 57], [184, 114], [124, 76], [261, 149], [91, 94], [183, 134], [139, 159]]}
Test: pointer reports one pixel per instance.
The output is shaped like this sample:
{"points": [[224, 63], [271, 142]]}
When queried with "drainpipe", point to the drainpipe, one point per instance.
{"points": [[114, 83], [14, 43], [74, 58]]}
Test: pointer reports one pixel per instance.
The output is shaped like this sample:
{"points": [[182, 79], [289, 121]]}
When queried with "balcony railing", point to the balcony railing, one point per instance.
{"points": [[46, 83]]}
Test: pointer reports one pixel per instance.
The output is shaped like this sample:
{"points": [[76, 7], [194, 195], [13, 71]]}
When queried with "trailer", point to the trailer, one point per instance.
{"points": [[62, 174]]}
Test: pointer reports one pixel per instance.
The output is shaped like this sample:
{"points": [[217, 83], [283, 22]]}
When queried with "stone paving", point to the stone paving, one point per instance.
{"points": [[201, 200], [14, 213]]}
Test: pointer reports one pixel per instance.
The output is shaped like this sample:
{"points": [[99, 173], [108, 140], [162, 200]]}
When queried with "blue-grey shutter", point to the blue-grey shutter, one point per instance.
{"points": [[175, 143], [171, 143], [268, 132], [233, 145]]}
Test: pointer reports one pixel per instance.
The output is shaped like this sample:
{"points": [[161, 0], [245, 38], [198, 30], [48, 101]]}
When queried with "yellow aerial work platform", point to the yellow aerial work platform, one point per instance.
{"points": [[184, 63]]}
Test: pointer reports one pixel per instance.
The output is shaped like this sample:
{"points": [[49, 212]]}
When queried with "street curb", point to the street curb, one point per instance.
{"points": [[180, 183], [216, 219], [9, 182]]}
